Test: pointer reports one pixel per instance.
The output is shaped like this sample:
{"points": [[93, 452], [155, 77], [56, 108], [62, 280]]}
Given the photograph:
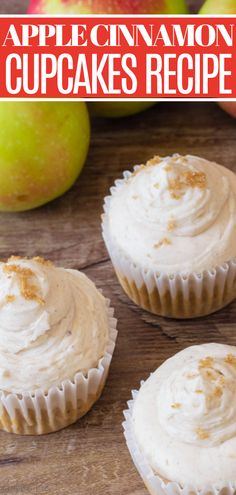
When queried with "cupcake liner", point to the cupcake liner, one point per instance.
{"points": [[154, 483], [176, 296], [40, 412]]}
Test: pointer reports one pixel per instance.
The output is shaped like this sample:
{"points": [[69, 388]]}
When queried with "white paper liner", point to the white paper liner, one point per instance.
{"points": [[175, 296], [154, 483], [39, 412]]}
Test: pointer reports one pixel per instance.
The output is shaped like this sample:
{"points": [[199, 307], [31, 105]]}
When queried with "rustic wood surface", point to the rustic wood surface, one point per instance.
{"points": [[90, 457]]}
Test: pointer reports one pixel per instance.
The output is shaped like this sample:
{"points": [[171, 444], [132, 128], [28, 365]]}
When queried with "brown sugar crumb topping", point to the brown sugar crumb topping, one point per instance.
{"points": [[28, 290], [162, 242], [175, 195], [10, 298], [211, 375], [187, 179], [154, 161], [26, 272], [207, 362], [202, 434], [171, 225], [176, 405], [217, 392], [40, 259], [230, 359], [195, 179], [136, 172], [222, 381], [15, 258], [150, 163], [190, 376]]}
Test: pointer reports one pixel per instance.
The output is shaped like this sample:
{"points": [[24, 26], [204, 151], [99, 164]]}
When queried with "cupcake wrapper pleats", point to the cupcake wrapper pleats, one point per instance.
{"points": [[175, 296], [39, 413], [154, 483]]}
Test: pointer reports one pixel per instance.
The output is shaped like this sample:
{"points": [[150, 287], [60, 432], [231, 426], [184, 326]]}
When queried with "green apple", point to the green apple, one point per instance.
{"points": [[116, 109], [218, 7], [221, 7], [110, 109], [43, 146]]}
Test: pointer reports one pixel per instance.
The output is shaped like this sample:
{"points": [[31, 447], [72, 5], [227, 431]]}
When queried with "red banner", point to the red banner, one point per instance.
{"points": [[128, 57]]}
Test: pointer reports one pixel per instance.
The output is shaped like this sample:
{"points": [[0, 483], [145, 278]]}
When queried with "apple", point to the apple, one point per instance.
{"points": [[218, 7], [229, 107], [107, 7], [118, 109], [43, 146], [221, 7], [110, 109]]}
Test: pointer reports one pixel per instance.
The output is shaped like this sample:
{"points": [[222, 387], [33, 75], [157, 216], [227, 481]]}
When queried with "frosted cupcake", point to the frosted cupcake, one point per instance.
{"points": [[170, 230], [57, 336], [181, 426]]}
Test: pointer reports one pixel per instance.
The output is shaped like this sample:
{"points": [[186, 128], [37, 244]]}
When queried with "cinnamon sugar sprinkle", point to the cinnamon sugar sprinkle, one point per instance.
{"points": [[202, 434], [162, 242]]}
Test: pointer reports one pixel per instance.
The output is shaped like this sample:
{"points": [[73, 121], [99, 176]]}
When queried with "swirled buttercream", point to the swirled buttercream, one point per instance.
{"points": [[176, 213], [185, 416], [53, 324]]}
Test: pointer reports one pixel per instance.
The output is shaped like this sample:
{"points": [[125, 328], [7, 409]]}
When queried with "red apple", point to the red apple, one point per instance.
{"points": [[221, 7], [110, 109], [229, 107], [107, 7]]}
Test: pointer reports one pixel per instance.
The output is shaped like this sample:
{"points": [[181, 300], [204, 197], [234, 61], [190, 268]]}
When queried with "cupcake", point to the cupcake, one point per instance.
{"points": [[57, 336], [170, 230], [181, 425]]}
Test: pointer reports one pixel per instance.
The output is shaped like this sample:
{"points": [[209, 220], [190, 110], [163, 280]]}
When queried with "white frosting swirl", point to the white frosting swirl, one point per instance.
{"points": [[185, 416], [177, 213], [53, 323]]}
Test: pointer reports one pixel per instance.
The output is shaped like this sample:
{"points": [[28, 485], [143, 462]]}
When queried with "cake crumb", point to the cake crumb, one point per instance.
{"points": [[198, 391], [156, 185], [176, 405], [207, 362], [202, 434], [162, 242]]}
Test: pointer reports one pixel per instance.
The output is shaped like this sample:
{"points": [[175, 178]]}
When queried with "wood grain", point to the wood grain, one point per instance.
{"points": [[90, 458]]}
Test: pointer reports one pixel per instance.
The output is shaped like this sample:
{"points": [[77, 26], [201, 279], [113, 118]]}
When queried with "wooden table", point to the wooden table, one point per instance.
{"points": [[90, 457]]}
